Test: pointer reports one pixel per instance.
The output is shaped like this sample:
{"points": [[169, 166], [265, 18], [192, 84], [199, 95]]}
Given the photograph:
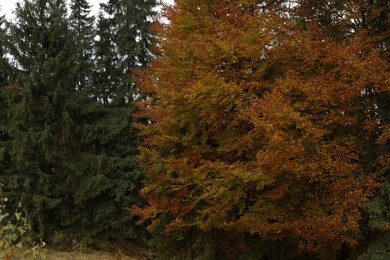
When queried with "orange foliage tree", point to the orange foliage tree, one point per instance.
{"points": [[255, 127]]}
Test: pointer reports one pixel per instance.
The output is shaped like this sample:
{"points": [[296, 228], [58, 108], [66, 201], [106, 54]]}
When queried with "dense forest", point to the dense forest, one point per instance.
{"points": [[234, 129]]}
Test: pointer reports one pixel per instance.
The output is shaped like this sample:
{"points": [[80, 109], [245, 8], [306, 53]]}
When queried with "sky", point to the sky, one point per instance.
{"points": [[6, 6]]}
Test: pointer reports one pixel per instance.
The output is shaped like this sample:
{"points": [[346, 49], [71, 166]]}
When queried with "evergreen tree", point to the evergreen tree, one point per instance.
{"points": [[106, 76], [73, 150], [110, 131], [82, 25], [4, 78], [3, 60], [40, 44], [130, 23]]}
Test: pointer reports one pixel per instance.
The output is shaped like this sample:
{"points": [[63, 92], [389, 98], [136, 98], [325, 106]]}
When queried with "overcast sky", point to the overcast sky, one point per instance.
{"points": [[7, 6]]}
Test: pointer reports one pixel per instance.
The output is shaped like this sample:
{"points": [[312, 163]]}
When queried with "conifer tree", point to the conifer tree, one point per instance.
{"points": [[130, 23], [106, 76], [111, 132], [106, 177], [4, 78], [3, 60], [82, 25], [40, 43], [73, 150]]}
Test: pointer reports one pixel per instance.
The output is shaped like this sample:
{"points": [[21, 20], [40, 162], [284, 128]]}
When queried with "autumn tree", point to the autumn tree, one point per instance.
{"points": [[375, 20], [254, 134], [371, 18]]}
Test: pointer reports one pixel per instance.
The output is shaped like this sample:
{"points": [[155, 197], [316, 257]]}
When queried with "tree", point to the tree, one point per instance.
{"points": [[83, 27], [110, 132], [4, 65], [130, 23], [39, 42], [106, 76], [372, 18], [255, 134], [4, 78], [72, 155], [375, 19]]}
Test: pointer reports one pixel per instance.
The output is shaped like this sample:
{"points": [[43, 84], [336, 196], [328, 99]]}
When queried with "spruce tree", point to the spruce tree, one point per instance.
{"points": [[105, 176], [3, 60], [72, 148], [110, 132], [106, 75], [40, 43], [82, 25], [4, 78], [130, 23]]}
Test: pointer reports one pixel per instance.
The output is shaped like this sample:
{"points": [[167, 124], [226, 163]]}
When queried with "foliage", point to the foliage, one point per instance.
{"points": [[378, 250], [15, 231], [124, 45], [258, 131], [67, 152], [82, 25], [35, 101]]}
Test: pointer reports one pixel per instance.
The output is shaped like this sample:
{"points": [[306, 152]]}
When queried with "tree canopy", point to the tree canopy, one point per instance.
{"points": [[67, 148], [257, 128]]}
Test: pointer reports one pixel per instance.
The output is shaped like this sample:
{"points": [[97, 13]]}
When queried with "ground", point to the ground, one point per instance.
{"points": [[54, 255], [127, 252]]}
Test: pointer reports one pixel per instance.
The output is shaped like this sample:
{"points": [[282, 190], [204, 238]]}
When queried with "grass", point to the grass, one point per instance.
{"points": [[55, 255], [124, 251], [51, 254]]}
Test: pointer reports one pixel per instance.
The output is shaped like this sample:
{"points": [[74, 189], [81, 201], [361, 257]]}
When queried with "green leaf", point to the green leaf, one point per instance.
{"points": [[19, 245], [2, 216]]}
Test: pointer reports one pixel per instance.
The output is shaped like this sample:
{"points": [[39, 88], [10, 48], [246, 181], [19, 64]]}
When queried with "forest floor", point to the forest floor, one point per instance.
{"points": [[55, 255], [50, 254], [121, 253]]}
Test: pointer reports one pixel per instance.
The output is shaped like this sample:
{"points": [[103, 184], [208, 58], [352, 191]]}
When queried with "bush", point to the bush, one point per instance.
{"points": [[14, 232]]}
